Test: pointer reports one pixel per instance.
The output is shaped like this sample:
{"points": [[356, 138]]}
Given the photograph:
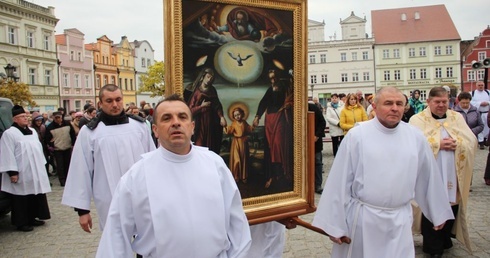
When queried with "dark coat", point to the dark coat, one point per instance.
{"points": [[320, 125]]}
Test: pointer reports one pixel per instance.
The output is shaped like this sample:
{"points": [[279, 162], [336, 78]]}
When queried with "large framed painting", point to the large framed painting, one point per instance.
{"points": [[241, 68]]}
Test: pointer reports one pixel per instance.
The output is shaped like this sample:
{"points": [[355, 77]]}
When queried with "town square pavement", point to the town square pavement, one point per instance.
{"points": [[62, 236]]}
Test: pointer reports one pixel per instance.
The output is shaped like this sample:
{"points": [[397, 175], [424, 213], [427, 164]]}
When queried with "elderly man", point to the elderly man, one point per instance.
{"points": [[372, 181], [60, 137], [105, 149], [23, 173], [481, 100], [453, 146], [362, 101], [178, 201]]}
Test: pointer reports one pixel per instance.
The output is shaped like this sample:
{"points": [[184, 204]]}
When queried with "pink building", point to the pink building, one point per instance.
{"points": [[76, 70], [475, 50]]}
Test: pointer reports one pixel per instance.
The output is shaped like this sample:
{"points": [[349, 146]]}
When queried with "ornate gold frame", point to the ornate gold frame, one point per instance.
{"points": [[275, 206]]}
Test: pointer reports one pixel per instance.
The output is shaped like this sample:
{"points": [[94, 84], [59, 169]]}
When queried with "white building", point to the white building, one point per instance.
{"points": [[27, 42], [143, 59], [340, 66]]}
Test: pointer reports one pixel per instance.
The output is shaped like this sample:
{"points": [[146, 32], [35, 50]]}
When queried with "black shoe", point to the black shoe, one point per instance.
{"points": [[436, 255], [37, 223], [482, 147], [319, 191], [25, 228]]}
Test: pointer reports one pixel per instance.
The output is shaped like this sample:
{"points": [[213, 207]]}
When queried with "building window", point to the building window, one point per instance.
{"points": [[411, 52], [72, 55], [471, 75], [324, 78], [66, 80], [47, 77], [78, 105], [11, 35], [355, 77], [413, 74], [323, 58], [106, 78], [396, 75], [143, 62], [438, 72], [87, 82], [396, 53], [46, 42], [481, 74], [30, 39], [126, 83], [482, 56], [449, 72], [365, 76], [344, 77], [365, 55], [97, 81], [423, 95], [354, 56], [343, 57], [423, 73], [387, 75], [131, 84], [77, 81], [113, 79], [148, 62], [32, 76], [79, 56], [313, 79], [422, 51], [449, 50], [386, 53], [312, 59], [437, 50]]}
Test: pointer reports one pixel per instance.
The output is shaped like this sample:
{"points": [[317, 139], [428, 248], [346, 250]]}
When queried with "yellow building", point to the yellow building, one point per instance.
{"points": [[125, 67]]}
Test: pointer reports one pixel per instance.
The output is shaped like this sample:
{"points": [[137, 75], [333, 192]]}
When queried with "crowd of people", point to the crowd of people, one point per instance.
{"points": [[112, 155]]}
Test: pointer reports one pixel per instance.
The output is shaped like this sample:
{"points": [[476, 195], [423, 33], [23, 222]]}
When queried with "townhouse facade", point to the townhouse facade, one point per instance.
{"points": [[477, 50], [27, 42], [416, 48], [143, 59], [104, 59], [340, 66], [126, 70], [76, 70]]}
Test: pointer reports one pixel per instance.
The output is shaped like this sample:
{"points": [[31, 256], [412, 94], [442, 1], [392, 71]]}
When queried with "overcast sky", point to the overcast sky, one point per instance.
{"points": [[144, 20]]}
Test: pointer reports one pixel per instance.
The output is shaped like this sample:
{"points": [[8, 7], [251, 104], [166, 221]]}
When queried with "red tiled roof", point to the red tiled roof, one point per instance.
{"points": [[434, 24], [89, 46], [60, 39]]}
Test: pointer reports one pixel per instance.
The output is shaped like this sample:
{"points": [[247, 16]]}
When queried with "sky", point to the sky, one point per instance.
{"points": [[144, 20]]}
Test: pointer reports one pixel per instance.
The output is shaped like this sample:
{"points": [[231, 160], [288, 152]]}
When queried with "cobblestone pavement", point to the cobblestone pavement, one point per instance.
{"points": [[62, 236]]}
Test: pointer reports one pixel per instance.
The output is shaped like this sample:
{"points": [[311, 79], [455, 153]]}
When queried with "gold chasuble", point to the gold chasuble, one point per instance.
{"points": [[464, 156]]}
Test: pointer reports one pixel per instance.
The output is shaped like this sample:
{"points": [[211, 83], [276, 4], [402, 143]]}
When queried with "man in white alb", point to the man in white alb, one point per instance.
{"points": [[381, 165], [481, 100], [105, 149], [178, 201]]}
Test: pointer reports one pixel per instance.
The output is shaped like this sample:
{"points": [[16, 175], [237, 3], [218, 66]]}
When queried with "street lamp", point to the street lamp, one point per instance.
{"points": [[312, 86], [11, 72]]}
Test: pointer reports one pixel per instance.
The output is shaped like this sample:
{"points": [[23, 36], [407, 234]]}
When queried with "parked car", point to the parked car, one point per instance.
{"points": [[5, 122]]}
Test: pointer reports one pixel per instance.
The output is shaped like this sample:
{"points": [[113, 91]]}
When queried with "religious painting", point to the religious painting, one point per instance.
{"points": [[240, 66]]}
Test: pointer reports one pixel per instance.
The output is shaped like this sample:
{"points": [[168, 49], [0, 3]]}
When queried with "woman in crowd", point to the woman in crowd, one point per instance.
{"points": [[352, 113]]}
